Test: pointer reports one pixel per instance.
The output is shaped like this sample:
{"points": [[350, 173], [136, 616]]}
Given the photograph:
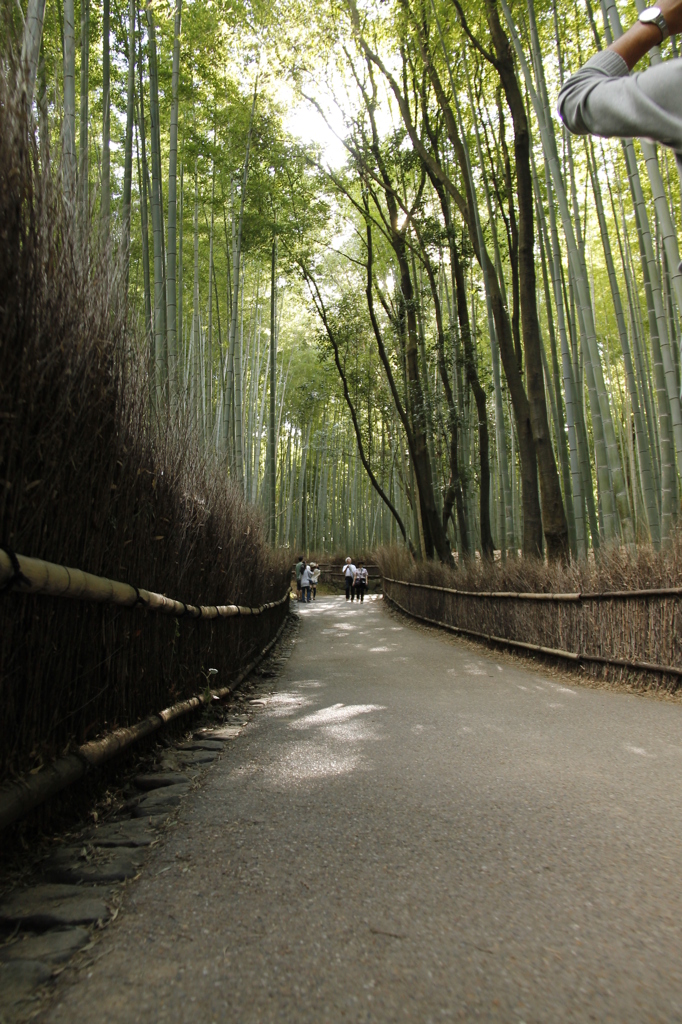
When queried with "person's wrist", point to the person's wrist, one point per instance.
{"points": [[654, 16], [650, 33]]}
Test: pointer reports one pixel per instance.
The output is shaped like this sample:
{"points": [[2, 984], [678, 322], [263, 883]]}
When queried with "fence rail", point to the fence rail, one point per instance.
{"points": [[35, 576], [110, 656], [20, 797], [634, 630], [26, 575]]}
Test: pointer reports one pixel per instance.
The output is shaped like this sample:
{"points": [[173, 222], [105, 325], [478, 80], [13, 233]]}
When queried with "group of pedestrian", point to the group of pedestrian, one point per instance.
{"points": [[355, 578], [307, 575]]}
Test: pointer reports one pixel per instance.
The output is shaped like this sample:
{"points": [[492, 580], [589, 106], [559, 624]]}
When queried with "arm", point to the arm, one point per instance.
{"points": [[602, 98], [639, 38]]}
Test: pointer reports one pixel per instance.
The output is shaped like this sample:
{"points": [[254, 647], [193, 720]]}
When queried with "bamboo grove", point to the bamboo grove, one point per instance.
{"points": [[464, 336]]}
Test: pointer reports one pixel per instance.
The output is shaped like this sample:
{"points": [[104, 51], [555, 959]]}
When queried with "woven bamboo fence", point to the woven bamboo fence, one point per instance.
{"points": [[134, 651], [629, 632], [36, 576]]}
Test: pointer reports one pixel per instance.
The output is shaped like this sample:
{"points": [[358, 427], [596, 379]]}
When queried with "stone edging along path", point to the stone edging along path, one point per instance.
{"points": [[77, 889]]}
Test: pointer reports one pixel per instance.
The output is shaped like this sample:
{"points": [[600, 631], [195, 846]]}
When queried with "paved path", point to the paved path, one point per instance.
{"points": [[412, 831]]}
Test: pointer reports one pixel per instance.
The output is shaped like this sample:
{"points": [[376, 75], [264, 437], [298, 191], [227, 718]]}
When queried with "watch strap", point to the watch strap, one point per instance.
{"points": [[656, 19]]}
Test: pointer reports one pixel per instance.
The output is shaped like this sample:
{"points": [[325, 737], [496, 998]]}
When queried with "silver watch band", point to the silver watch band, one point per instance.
{"points": [[654, 16]]}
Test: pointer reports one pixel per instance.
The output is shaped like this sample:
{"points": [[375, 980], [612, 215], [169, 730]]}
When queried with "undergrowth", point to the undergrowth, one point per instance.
{"points": [[614, 568]]}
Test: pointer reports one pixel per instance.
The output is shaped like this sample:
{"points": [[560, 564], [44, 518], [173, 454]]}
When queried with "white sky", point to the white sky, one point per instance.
{"points": [[307, 124]]}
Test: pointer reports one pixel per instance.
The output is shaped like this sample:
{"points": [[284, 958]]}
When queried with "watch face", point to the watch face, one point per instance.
{"points": [[650, 14]]}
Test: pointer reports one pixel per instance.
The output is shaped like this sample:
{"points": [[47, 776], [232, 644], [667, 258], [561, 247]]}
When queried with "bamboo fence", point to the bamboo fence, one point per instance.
{"points": [[114, 654], [636, 631], [35, 576], [19, 797]]}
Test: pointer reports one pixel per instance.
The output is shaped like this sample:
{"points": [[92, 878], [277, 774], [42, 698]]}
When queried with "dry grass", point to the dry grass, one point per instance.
{"points": [[615, 569], [634, 629], [89, 479]]}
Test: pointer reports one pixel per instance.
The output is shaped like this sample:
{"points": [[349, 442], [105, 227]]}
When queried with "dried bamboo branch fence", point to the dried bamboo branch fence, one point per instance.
{"points": [[20, 797], [636, 631], [112, 655], [36, 576]]}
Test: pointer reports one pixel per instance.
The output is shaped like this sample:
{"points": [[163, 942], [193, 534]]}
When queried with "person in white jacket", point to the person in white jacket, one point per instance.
{"points": [[306, 579], [314, 577], [349, 579]]}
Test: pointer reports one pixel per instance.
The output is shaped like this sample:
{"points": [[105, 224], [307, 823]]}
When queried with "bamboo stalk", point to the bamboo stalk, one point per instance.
{"points": [[83, 136], [171, 255]]}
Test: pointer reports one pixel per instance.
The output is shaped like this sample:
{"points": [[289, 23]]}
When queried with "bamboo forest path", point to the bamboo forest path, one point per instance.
{"points": [[410, 829]]}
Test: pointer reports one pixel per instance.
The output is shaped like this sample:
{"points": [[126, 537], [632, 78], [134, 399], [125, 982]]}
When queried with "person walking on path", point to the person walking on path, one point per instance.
{"points": [[602, 98], [349, 577], [361, 576], [300, 566], [306, 578], [315, 575]]}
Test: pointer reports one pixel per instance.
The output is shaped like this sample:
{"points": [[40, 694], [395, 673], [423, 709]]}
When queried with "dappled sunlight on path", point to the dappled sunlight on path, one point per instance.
{"points": [[412, 829]]}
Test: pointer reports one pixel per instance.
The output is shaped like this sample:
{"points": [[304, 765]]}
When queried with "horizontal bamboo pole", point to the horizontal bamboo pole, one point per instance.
{"points": [[36, 576], [640, 666], [326, 572], [338, 565], [605, 595], [18, 798]]}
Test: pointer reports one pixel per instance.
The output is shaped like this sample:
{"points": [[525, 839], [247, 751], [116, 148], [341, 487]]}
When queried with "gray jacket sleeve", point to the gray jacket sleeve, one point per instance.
{"points": [[603, 99]]}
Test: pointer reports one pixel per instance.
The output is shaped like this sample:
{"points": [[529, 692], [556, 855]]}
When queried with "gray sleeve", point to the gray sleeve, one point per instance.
{"points": [[603, 99]]}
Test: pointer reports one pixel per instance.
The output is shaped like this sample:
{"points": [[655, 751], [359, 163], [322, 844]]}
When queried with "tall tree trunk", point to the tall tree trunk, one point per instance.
{"points": [[236, 258], [171, 291], [130, 116], [196, 368], [553, 514], [30, 45], [646, 469], [210, 301], [105, 209], [160, 337], [494, 346], [271, 454], [453, 494], [83, 183], [142, 177], [479, 398], [69, 123], [601, 404], [43, 113], [238, 393], [532, 532], [557, 403], [180, 335]]}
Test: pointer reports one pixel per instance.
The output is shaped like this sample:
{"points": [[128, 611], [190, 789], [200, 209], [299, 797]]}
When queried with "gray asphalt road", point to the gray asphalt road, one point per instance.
{"points": [[412, 831]]}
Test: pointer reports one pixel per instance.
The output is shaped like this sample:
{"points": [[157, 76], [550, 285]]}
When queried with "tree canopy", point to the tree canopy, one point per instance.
{"points": [[398, 301]]}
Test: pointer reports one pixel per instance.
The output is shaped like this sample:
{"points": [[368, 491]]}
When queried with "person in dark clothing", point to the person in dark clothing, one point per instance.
{"points": [[361, 576], [300, 566]]}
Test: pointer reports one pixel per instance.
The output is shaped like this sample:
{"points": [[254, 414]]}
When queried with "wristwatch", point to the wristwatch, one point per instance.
{"points": [[653, 16]]}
